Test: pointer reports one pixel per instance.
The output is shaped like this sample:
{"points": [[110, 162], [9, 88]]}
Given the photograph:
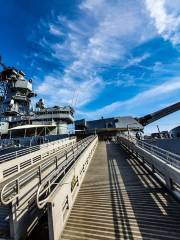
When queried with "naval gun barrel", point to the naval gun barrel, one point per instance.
{"points": [[147, 119]]}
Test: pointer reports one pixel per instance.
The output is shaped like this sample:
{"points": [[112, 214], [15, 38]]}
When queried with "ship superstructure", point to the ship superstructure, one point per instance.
{"points": [[16, 114], [58, 115]]}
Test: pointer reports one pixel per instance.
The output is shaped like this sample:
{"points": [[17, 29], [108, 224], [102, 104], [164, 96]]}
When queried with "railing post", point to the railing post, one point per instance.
{"points": [[167, 157], [56, 162], [17, 190], [66, 155], [49, 186], [73, 151], [17, 186], [40, 175]]}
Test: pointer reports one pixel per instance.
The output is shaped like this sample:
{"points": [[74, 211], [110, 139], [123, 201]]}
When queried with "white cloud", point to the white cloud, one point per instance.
{"points": [[92, 5], [166, 18], [103, 34], [136, 60], [54, 30], [142, 99], [60, 90]]}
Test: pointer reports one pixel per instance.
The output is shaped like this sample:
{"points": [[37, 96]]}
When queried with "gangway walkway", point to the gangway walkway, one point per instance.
{"points": [[120, 199]]}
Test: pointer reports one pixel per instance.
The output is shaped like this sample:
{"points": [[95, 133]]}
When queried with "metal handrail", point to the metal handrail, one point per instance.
{"points": [[8, 170], [169, 157], [11, 189], [22, 152], [48, 186]]}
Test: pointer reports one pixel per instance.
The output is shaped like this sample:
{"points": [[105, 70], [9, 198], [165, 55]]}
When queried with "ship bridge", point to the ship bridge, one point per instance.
{"points": [[90, 189], [56, 113]]}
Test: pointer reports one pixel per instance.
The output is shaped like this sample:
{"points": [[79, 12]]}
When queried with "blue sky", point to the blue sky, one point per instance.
{"points": [[106, 57]]}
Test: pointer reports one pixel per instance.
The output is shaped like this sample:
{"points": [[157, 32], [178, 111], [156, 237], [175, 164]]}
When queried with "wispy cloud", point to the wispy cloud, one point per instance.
{"points": [[136, 60], [101, 37], [98, 37], [142, 99], [166, 18], [54, 30], [60, 90]]}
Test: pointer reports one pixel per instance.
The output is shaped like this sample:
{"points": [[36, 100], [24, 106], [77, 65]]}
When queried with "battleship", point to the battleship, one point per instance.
{"points": [[18, 119], [106, 184]]}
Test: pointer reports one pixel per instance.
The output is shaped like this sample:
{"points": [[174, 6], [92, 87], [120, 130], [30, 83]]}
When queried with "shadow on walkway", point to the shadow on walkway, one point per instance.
{"points": [[140, 205]]}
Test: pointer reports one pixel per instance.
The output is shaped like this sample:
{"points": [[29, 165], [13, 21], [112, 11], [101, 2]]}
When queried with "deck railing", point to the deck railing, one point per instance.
{"points": [[169, 157], [27, 150], [52, 166]]}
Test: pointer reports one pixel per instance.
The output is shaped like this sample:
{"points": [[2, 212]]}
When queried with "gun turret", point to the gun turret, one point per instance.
{"points": [[147, 119]]}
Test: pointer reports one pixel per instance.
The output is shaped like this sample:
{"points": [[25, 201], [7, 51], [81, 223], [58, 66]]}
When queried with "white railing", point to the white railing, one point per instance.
{"points": [[23, 159], [50, 183], [57, 164], [163, 164], [27, 150], [169, 157]]}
